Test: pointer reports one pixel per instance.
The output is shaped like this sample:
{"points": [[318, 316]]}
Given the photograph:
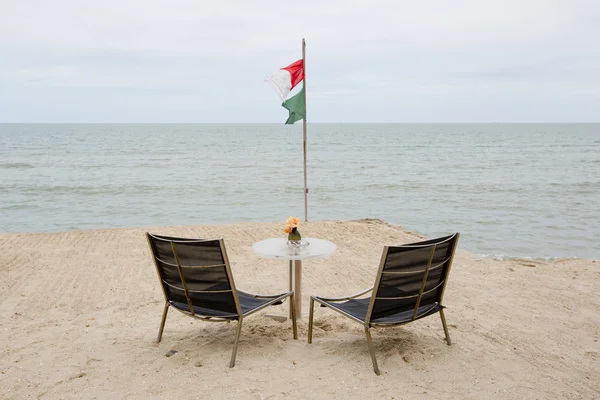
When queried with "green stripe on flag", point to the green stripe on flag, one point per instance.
{"points": [[296, 107]]}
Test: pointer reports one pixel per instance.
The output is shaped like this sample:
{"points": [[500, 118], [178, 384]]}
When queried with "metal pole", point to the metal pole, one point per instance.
{"points": [[304, 130]]}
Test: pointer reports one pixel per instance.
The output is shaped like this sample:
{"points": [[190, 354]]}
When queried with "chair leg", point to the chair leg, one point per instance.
{"points": [[293, 312], [237, 341], [310, 319], [162, 322], [445, 327], [371, 350]]}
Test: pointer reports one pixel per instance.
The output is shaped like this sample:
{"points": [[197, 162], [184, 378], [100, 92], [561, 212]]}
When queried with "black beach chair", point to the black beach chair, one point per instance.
{"points": [[196, 279], [409, 285]]}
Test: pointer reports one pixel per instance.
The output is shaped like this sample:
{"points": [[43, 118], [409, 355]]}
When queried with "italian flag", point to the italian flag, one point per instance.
{"points": [[283, 81]]}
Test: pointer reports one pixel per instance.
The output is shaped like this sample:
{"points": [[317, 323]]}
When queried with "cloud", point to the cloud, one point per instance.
{"points": [[367, 61]]}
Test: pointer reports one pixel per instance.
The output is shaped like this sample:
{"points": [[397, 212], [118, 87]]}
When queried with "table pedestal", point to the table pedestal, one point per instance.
{"points": [[296, 279]]}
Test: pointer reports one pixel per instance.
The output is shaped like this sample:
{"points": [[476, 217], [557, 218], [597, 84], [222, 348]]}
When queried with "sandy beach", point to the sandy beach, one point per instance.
{"points": [[80, 311]]}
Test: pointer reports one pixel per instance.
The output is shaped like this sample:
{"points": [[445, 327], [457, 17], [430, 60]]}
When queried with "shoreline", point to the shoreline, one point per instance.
{"points": [[81, 310], [414, 234]]}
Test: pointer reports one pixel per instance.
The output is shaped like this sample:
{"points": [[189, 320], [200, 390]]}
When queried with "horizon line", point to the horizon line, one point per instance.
{"points": [[280, 123]]}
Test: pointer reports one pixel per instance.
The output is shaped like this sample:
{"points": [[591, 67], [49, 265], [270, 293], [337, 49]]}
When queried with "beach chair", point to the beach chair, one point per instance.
{"points": [[196, 280], [409, 285]]}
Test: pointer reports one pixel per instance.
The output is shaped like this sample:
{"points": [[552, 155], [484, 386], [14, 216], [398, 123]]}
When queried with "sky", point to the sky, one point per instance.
{"points": [[366, 61]]}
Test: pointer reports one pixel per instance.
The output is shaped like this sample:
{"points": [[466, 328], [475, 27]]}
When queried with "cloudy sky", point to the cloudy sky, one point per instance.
{"points": [[367, 61]]}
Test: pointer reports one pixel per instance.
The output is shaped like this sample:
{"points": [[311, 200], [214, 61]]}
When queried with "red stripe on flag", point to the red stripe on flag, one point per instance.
{"points": [[296, 70]]}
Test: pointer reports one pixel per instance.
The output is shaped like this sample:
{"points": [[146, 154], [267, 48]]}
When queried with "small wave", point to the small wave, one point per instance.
{"points": [[16, 165], [61, 189], [387, 186], [19, 207], [107, 189], [504, 257]]}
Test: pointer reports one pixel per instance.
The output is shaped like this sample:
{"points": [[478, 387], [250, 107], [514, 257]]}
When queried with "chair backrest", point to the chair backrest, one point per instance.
{"points": [[411, 277], [195, 272]]}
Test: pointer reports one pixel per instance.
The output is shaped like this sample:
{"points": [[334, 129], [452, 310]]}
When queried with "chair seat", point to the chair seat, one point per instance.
{"points": [[247, 302], [358, 309]]}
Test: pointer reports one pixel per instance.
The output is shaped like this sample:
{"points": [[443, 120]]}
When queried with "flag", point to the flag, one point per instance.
{"points": [[296, 107], [283, 81]]}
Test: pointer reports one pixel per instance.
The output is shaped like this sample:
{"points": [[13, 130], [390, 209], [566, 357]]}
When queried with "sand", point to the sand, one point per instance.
{"points": [[80, 311]]}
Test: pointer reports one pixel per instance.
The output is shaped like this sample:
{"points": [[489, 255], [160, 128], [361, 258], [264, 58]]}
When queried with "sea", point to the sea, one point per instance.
{"points": [[511, 190]]}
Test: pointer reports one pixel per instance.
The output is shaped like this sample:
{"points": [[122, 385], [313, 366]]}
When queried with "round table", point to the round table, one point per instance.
{"points": [[279, 248]]}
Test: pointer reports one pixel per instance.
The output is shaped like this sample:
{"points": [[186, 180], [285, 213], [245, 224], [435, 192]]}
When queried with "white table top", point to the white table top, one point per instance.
{"points": [[278, 248]]}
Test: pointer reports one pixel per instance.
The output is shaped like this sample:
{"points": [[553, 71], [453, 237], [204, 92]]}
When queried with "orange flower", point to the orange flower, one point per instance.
{"points": [[291, 223]]}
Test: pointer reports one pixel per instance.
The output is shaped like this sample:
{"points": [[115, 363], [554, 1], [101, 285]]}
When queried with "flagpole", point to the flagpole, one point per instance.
{"points": [[304, 129]]}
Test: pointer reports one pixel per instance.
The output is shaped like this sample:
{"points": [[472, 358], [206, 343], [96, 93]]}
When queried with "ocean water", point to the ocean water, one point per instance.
{"points": [[512, 190]]}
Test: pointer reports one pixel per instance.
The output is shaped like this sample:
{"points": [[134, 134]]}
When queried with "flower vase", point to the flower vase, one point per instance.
{"points": [[294, 236]]}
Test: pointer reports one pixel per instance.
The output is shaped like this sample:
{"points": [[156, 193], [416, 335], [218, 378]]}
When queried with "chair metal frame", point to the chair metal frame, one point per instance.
{"points": [[239, 316], [367, 322]]}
